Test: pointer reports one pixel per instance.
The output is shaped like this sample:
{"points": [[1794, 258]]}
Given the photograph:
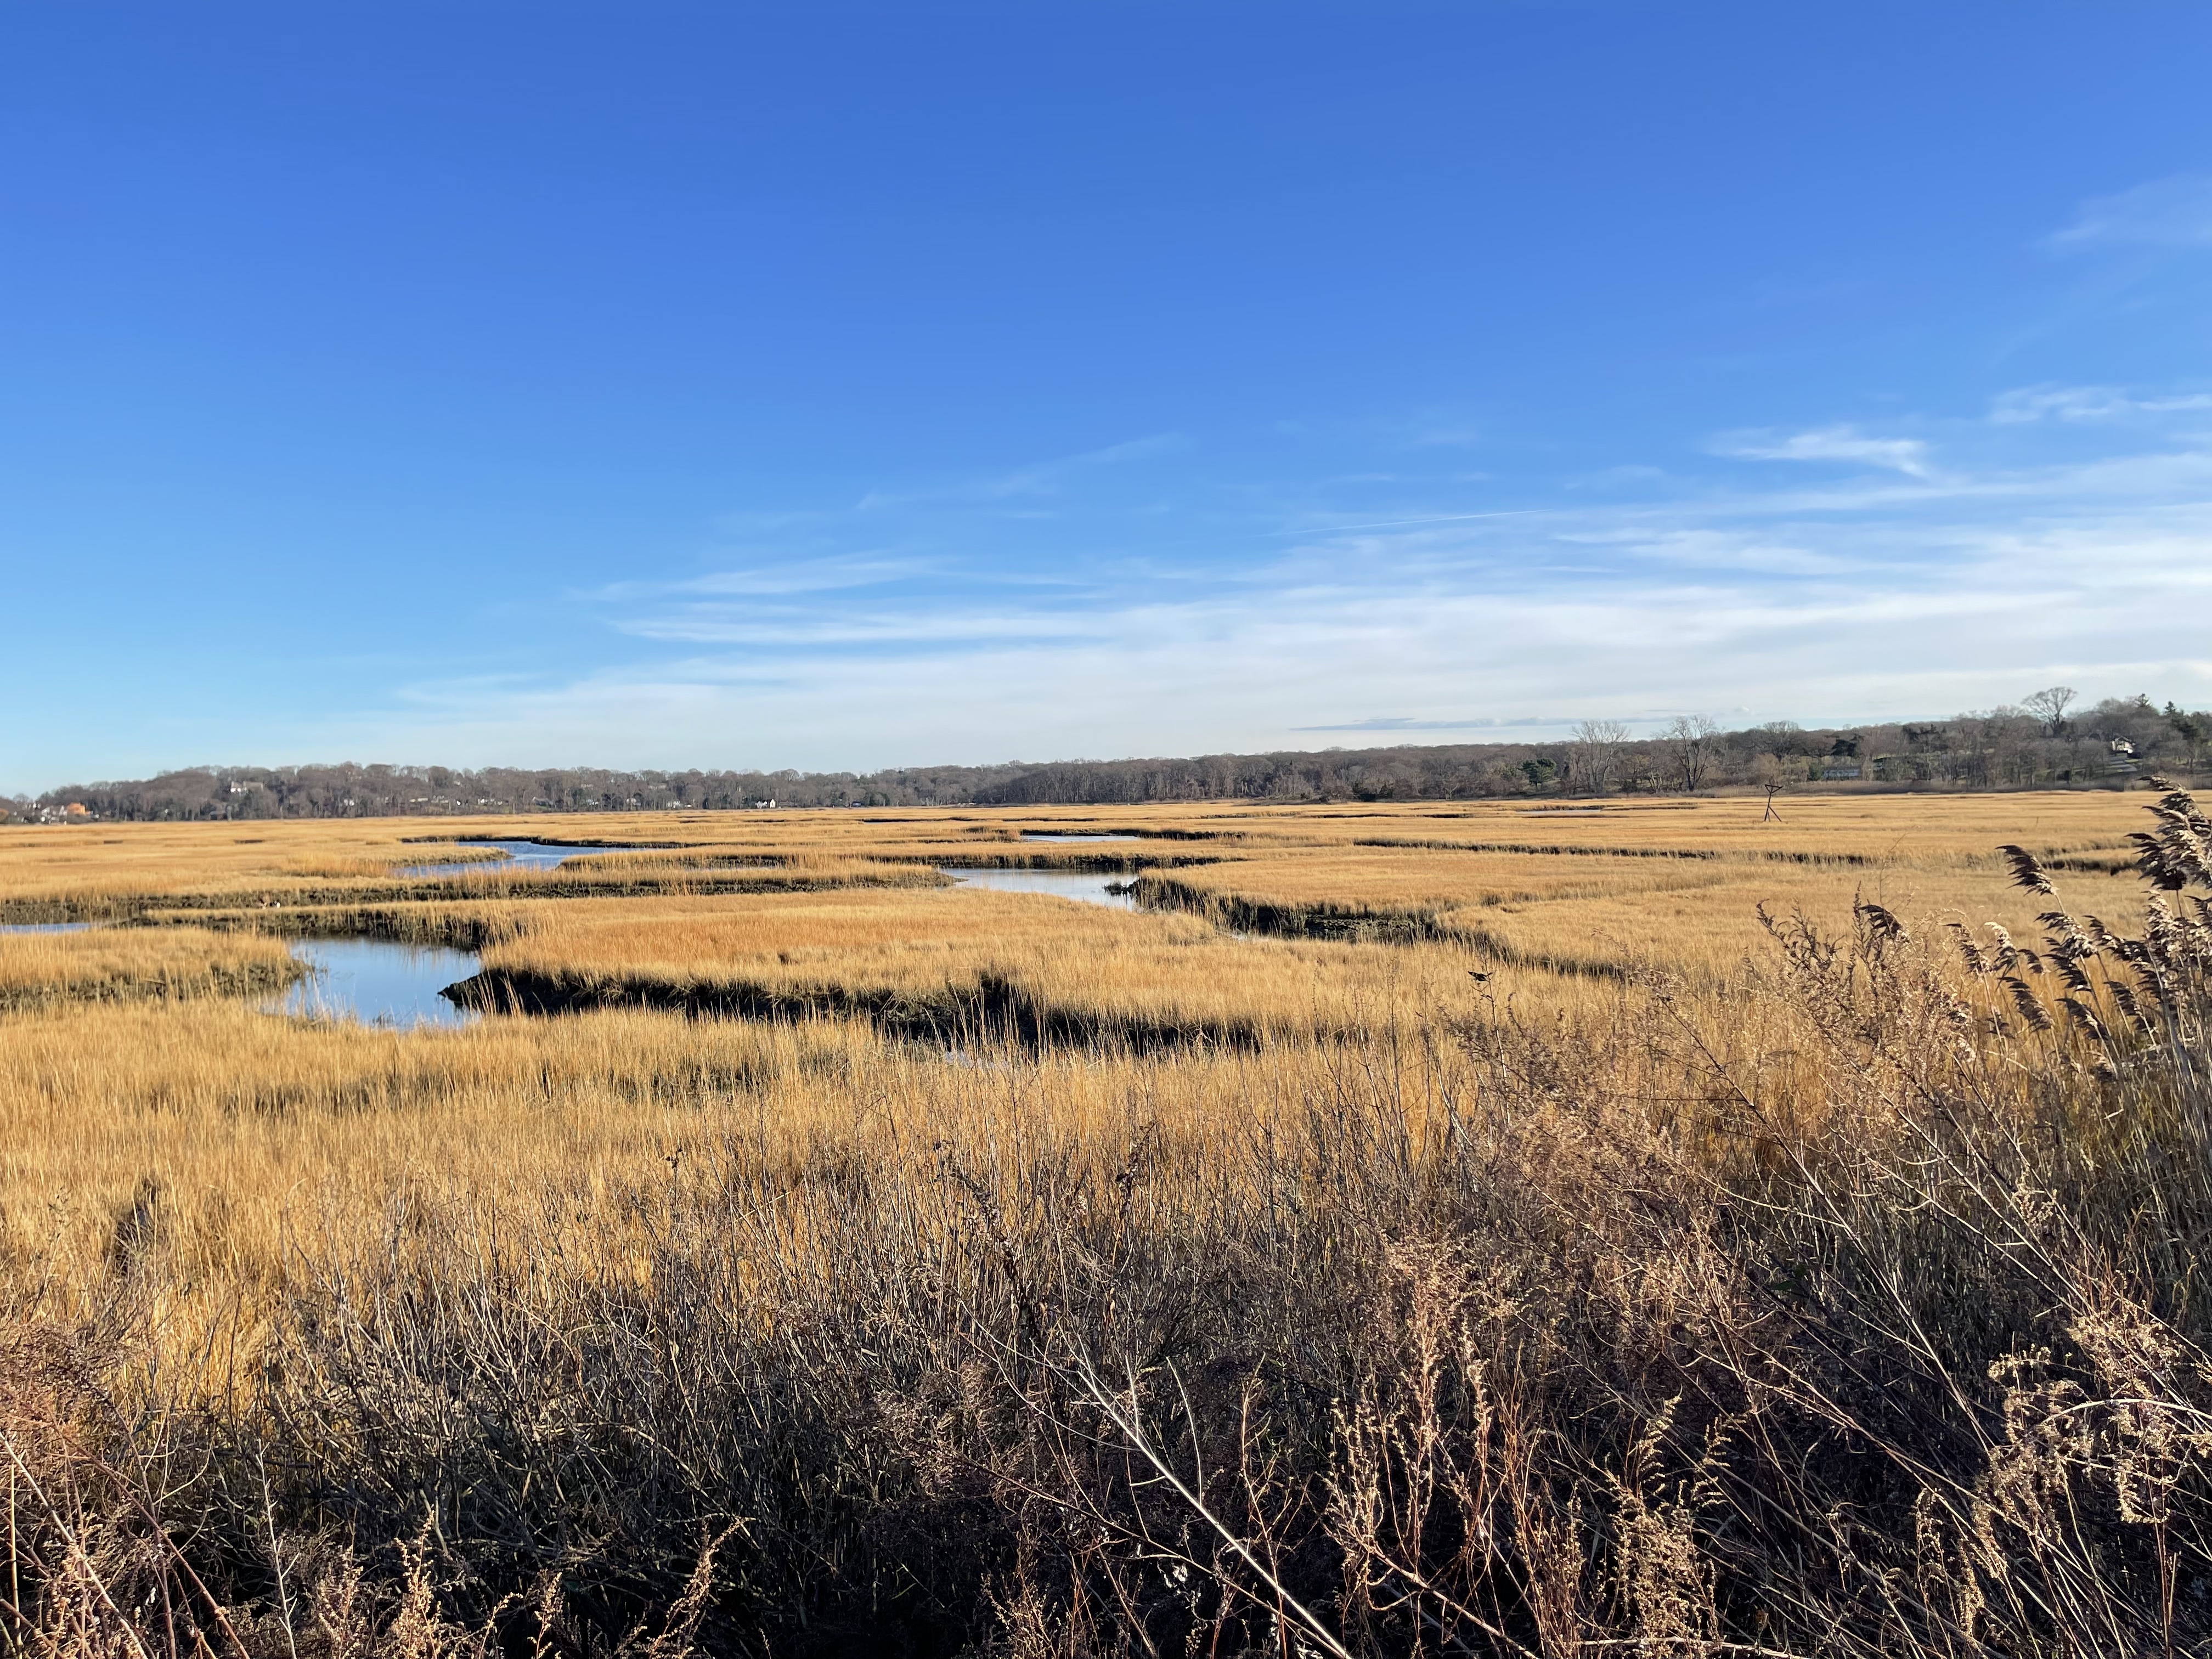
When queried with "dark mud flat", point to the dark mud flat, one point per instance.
{"points": [[1248, 917], [967, 1020]]}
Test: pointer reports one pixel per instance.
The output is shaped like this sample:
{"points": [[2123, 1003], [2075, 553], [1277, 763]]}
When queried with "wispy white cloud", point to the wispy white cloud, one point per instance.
{"points": [[1388, 723], [771, 576], [2171, 212], [789, 629], [1034, 479], [2085, 403], [1397, 524], [1884, 584], [1832, 443], [826, 576], [1890, 594]]}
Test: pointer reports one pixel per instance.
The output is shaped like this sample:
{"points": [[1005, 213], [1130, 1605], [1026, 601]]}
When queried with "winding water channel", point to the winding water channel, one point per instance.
{"points": [[1085, 886], [520, 855], [377, 982]]}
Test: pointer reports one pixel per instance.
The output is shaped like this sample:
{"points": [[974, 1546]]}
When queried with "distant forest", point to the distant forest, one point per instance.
{"points": [[2046, 742]]}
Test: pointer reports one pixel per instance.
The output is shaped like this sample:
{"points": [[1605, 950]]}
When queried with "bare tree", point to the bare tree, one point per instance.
{"points": [[1597, 745], [2049, 706], [1690, 740]]}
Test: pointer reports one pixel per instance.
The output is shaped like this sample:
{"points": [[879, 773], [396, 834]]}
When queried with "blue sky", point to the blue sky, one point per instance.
{"points": [[832, 385]]}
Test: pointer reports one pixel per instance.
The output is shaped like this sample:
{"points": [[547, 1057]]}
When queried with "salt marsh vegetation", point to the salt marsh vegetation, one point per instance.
{"points": [[1410, 1229]]}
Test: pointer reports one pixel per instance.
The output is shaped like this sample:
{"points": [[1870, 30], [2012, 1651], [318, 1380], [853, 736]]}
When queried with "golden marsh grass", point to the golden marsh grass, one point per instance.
{"points": [[114, 965], [1680, 1279], [937, 956]]}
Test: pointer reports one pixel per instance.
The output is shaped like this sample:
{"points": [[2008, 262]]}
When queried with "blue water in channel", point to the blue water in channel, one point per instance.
{"points": [[520, 855], [1085, 886], [377, 982], [396, 987]]}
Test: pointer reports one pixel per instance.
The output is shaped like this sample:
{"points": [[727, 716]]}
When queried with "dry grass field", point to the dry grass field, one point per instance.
{"points": [[115, 966], [1409, 1230]]}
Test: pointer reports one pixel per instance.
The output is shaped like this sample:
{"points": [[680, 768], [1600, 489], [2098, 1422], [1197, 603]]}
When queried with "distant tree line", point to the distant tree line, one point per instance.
{"points": [[2044, 742]]}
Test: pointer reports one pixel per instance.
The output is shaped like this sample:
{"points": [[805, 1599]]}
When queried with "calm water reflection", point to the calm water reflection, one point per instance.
{"points": [[47, 928], [378, 983], [1085, 886], [1047, 835]]}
